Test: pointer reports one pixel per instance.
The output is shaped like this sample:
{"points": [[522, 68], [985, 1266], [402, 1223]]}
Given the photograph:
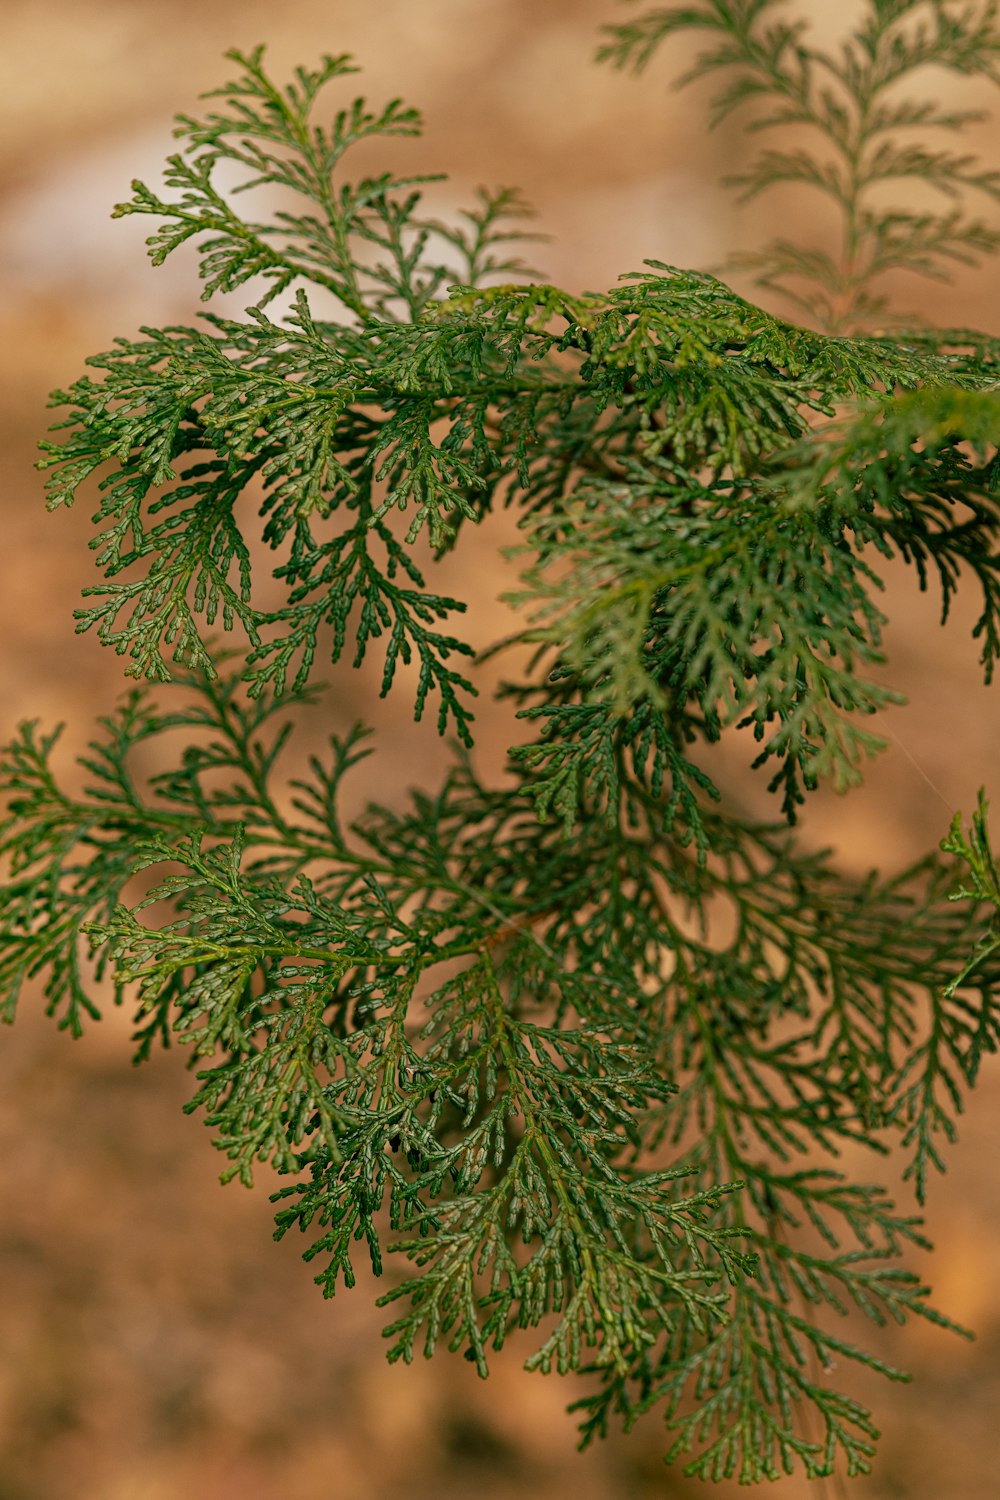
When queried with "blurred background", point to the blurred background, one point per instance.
{"points": [[154, 1342]]}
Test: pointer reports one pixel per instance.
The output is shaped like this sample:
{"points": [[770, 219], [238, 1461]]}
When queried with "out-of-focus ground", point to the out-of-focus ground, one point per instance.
{"points": [[154, 1343]]}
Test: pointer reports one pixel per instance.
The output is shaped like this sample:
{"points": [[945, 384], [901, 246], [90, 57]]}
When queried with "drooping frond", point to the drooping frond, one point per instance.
{"points": [[582, 1049]]}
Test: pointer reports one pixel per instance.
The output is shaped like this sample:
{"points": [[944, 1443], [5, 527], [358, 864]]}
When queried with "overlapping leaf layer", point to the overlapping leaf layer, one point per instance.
{"points": [[587, 1074]]}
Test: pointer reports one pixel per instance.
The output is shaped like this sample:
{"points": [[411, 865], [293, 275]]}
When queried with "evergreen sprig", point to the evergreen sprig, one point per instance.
{"points": [[850, 102], [588, 1074]]}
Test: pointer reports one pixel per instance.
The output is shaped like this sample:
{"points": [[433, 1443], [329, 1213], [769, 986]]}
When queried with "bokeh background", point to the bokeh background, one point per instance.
{"points": [[154, 1342]]}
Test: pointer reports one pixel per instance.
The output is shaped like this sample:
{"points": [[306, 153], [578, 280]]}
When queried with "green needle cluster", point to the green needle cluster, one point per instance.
{"points": [[581, 1050]]}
